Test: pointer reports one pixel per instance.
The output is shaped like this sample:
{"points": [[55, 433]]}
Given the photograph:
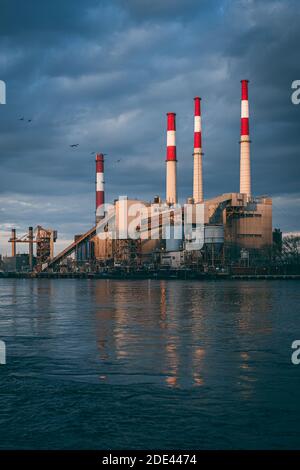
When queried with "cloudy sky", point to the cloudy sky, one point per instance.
{"points": [[103, 73]]}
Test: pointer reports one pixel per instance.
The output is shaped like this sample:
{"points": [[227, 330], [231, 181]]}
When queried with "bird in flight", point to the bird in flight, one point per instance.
{"points": [[23, 119], [74, 145]]}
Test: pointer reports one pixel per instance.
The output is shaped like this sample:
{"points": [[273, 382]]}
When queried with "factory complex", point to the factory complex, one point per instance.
{"points": [[229, 231]]}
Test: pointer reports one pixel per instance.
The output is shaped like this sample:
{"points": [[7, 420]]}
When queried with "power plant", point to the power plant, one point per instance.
{"points": [[204, 235]]}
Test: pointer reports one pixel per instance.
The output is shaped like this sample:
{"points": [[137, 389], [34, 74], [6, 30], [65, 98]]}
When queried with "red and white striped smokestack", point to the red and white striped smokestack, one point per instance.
{"points": [[171, 162], [245, 167], [99, 186], [198, 179]]}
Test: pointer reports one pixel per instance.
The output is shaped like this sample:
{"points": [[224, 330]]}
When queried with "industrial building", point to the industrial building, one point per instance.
{"points": [[42, 238], [201, 234]]}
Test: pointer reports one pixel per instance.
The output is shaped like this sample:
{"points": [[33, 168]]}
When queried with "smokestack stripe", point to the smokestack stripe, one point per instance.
{"points": [[171, 136]]}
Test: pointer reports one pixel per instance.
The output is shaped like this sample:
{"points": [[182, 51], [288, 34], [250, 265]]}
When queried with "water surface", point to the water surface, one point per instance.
{"points": [[95, 364]]}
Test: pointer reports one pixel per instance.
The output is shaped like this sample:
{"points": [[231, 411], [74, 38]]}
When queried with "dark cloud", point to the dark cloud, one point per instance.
{"points": [[34, 17], [104, 74], [167, 9]]}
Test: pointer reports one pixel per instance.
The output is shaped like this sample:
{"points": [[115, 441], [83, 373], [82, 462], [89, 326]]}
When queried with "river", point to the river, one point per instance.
{"points": [[98, 364]]}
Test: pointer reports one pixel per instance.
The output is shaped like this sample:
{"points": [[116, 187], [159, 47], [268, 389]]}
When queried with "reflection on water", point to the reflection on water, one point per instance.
{"points": [[151, 331], [219, 349], [176, 333]]}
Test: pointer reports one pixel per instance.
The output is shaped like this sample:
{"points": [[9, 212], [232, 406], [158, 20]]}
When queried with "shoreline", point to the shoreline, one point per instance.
{"points": [[177, 275]]}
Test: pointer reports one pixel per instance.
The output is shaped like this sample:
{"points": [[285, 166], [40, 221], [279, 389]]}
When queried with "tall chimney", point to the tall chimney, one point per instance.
{"points": [[171, 162], [245, 169], [99, 187], [198, 179], [13, 242]]}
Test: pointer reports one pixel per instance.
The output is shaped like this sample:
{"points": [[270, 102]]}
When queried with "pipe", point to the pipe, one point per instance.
{"points": [[245, 164], [198, 177], [171, 160], [30, 240]]}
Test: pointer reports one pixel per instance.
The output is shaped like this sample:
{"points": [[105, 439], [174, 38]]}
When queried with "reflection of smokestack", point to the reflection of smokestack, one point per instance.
{"points": [[99, 186], [198, 182], [171, 179], [245, 170]]}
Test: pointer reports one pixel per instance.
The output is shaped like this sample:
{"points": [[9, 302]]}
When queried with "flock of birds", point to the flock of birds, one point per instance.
{"points": [[71, 145], [93, 153], [23, 119]]}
